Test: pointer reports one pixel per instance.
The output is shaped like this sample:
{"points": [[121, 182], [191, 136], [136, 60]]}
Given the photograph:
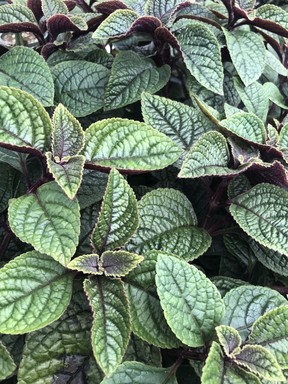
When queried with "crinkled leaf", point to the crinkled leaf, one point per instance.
{"points": [[274, 63], [25, 69], [48, 220], [111, 321], [238, 185], [273, 13], [262, 212], [247, 126], [138, 373], [247, 52], [80, 86], [181, 123], [8, 177], [168, 223], [7, 365], [273, 93], [271, 332], [229, 339], [245, 304], [140, 350], [132, 74], [12, 158], [16, 14], [128, 144], [53, 7], [92, 188], [116, 24], [202, 57], [119, 263], [87, 264], [224, 283], [26, 307], [161, 8], [23, 120], [192, 304], [67, 135], [118, 219], [260, 361], [68, 173]]}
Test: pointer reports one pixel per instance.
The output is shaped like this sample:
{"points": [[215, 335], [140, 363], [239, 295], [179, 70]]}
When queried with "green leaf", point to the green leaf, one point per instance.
{"points": [[183, 124], [119, 263], [16, 14], [216, 371], [238, 185], [224, 283], [80, 85], [229, 339], [115, 25], [209, 156], [168, 223], [139, 350], [283, 137], [247, 126], [260, 361], [138, 373], [245, 304], [161, 8], [92, 188], [273, 93], [48, 220], [274, 63], [254, 98], [132, 74], [111, 323], [87, 264], [55, 348], [53, 7], [8, 176], [23, 120], [67, 135], [262, 212], [25, 69], [248, 54], [67, 174], [271, 332], [202, 56], [128, 144], [192, 304], [118, 219], [273, 13], [7, 365], [26, 307]]}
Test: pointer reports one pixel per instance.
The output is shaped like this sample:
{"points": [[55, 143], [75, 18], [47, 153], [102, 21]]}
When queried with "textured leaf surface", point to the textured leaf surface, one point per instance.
{"points": [[128, 144], [25, 69], [271, 332], [274, 94], [48, 220], [168, 223], [80, 85], [25, 307], [260, 361], [111, 323], [183, 124], [138, 373], [7, 365], [244, 305], [248, 55], [192, 304], [247, 126], [131, 75], [16, 14], [86, 264], [68, 174], [53, 7], [61, 346], [119, 263], [67, 135], [118, 219], [161, 8], [23, 120], [202, 57], [262, 212], [115, 25], [229, 339]]}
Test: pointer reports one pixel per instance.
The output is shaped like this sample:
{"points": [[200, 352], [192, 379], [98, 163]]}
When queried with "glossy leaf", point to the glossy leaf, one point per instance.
{"points": [[273, 93], [25, 69], [128, 145], [183, 124], [119, 263], [229, 339], [80, 85], [111, 324], [27, 307], [247, 52], [132, 74], [202, 57], [7, 365], [262, 213], [192, 304], [118, 219], [271, 332], [48, 220], [67, 135], [23, 120]]}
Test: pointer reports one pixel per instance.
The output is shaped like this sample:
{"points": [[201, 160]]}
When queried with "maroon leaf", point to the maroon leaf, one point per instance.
{"points": [[23, 27], [108, 7], [274, 173], [144, 24], [94, 23], [48, 49], [35, 6], [57, 24], [70, 4], [162, 36]]}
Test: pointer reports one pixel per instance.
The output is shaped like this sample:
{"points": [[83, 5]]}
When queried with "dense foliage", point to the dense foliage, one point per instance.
{"points": [[143, 192]]}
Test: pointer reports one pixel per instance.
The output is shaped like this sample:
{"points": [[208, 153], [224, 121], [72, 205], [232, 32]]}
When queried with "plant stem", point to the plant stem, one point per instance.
{"points": [[173, 369]]}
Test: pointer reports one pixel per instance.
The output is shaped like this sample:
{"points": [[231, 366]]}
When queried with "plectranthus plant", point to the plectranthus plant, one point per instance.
{"points": [[143, 192]]}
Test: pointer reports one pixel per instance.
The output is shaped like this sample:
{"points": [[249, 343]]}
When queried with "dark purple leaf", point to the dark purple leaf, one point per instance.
{"points": [[35, 6], [108, 7], [274, 173], [48, 49], [70, 4], [162, 36], [23, 27], [144, 24], [94, 23], [57, 24]]}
